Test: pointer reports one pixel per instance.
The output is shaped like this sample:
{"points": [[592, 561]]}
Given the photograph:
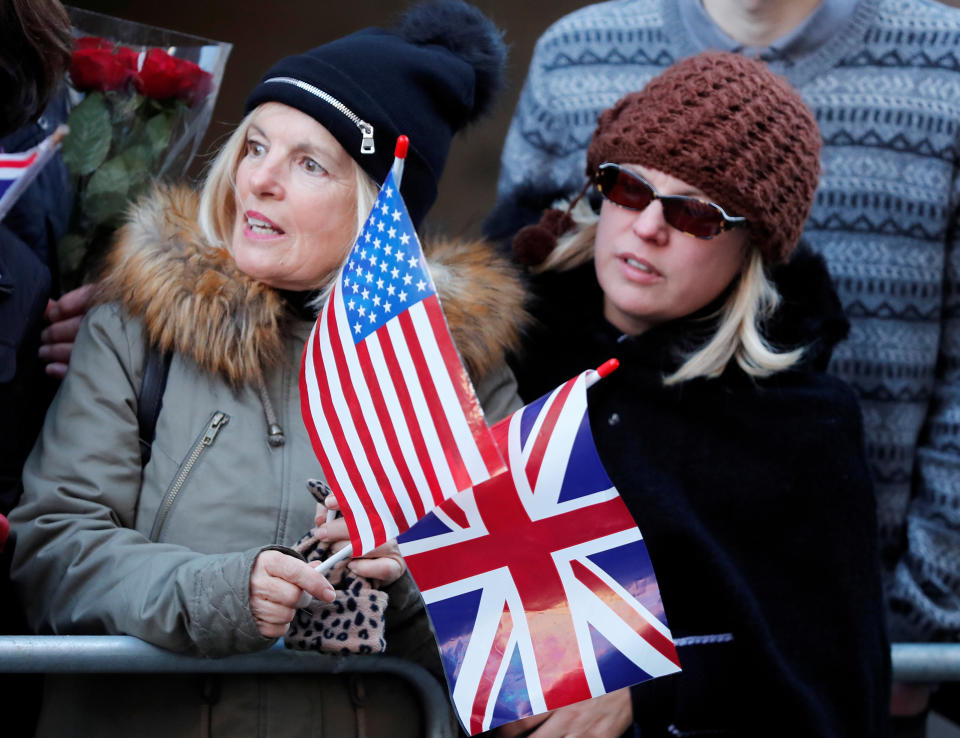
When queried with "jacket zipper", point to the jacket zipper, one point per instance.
{"points": [[366, 145], [217, 422]]}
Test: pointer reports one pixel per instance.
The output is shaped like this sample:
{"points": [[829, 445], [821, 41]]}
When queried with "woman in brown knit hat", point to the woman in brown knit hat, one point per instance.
{"points": [[740, 459]]}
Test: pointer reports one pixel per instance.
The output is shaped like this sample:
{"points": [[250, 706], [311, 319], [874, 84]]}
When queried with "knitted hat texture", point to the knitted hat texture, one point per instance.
{"points": [[430, 75], [731, 128]]}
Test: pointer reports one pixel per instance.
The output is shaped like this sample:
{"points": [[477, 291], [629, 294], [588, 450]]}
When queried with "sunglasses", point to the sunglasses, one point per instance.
{"points": [[691, 215]]}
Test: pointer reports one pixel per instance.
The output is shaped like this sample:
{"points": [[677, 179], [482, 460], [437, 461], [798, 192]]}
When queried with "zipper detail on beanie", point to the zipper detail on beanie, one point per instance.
{"points": [[366, 144], [217, 422]]}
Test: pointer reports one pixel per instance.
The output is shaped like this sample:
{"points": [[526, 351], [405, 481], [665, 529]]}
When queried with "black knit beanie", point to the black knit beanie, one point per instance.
{"points": [[435, 71]]}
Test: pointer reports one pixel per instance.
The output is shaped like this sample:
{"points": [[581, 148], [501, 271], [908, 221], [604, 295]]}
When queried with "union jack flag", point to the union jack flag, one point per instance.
{"points": [[538, 582], [18, 170], [391, 412]]}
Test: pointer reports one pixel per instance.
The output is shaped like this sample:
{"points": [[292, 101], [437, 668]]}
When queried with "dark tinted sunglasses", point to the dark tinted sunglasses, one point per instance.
{"points": [[691, 215]]}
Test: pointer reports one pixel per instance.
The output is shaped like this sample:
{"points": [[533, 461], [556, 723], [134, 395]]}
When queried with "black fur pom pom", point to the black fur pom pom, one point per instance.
{"points": [[466, 32]]}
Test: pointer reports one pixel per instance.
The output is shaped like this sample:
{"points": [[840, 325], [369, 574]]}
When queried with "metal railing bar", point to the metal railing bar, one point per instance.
{"points": [[926, 662], [22, 654]]}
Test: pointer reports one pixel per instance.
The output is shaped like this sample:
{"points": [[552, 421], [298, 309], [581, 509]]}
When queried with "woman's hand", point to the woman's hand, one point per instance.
{"points": [[607, 716], [384, 564], [65, 316], [276, 585]]}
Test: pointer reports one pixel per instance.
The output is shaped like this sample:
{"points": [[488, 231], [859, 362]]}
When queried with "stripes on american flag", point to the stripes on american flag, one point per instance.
{"points": [[391, 412]]}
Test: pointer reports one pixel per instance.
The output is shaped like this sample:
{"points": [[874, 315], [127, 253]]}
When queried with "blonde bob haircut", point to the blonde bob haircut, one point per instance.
{"points": [[738, 334], [218, 200]]}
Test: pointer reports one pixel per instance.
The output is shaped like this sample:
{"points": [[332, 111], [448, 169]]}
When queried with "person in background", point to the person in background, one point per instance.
{"points": [[35, 44], [881, 78], [192, 551], [741, 460]]}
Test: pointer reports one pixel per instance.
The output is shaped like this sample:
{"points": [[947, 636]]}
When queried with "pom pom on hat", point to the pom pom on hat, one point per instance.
{"points": [[435, 72], [468, 34], [534, 243]]}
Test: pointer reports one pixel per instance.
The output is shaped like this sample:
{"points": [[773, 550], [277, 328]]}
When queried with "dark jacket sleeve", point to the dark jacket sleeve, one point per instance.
{"points": [[24, 288]]}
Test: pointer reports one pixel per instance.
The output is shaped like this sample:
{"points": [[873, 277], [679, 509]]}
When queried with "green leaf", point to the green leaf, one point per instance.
{"points": [[88, 144], [158, 130], [137, 160], [70, 251], [124, 104], [108, 192]]}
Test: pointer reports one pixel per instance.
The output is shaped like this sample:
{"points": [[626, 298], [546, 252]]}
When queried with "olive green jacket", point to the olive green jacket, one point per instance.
{"points": [[165, 552]]}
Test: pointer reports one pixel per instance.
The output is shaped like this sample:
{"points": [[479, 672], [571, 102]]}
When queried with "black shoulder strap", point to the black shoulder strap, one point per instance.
{"points": [[150, 400]]}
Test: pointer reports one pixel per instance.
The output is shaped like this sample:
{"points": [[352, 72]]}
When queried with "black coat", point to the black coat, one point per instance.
{"points": [[757, 510], [28, 275]]}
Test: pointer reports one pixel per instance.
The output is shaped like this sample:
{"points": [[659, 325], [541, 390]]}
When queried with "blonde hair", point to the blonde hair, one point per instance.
{"points": [[738, 334], [218, 202]]}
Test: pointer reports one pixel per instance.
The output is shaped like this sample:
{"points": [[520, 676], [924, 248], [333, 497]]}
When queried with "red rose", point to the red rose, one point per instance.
{"points": [[163, 77], [197, 83], [158, 76], [101, 69], [92, 42]]}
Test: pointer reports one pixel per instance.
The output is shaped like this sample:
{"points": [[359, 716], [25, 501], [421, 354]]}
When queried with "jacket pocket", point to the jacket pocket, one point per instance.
{"points": [[203, 442]]}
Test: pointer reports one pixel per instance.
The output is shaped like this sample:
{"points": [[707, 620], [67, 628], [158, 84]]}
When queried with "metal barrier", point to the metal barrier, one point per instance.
{"points": [[912, 662], [926, 662], [129, 655]]}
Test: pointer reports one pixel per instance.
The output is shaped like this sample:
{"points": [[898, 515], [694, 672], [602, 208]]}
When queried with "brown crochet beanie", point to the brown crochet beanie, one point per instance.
{"points": [[731, 128]]}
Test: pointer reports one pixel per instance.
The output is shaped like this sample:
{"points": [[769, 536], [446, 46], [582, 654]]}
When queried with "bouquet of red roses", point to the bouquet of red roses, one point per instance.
{"points": [[145, 99]]}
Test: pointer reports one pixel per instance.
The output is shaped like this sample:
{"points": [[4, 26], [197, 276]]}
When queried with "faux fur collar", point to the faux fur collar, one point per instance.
{"points": [[193, 299]]}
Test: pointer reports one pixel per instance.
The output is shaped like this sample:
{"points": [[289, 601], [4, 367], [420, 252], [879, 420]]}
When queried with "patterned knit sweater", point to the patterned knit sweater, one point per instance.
{"points": [[883, 78]]}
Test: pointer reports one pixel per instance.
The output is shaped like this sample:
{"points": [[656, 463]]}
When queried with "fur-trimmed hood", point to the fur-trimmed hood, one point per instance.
{"points": [[192, 298]]}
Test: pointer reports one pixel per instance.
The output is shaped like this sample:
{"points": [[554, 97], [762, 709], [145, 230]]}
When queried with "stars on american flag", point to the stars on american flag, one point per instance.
{"points": [[383, 274]]}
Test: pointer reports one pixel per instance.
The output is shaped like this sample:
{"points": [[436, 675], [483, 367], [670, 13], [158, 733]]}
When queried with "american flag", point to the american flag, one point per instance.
{"points": [[538, 582], [18, 170], [390, 409]]}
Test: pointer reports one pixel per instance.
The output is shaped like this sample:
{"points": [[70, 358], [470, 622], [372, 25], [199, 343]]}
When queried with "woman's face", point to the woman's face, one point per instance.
{"points": [[296, 200], [649, 271]]}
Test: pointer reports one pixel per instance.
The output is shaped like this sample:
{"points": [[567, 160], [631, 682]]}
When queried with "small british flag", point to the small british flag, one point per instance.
{"points": [[18, 170], [538, 581]]}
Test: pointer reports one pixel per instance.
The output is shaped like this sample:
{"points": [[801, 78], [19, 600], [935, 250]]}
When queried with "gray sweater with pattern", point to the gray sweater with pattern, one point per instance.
{"points": [[883, 79]]}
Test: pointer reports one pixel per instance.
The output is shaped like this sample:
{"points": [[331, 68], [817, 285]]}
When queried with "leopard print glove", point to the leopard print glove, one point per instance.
{"points": [[353, 622]]}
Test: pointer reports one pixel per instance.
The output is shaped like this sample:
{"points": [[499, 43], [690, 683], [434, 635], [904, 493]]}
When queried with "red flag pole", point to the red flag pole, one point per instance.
{"points": [[604, 370], [399, 156]]}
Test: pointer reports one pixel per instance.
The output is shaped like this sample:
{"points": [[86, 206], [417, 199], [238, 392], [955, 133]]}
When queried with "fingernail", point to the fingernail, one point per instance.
{"points": [[43, 352], [322, 532]]}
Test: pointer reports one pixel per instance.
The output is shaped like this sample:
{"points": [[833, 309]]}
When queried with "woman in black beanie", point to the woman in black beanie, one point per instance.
{"points": [[191, 550], [740, 458]]}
